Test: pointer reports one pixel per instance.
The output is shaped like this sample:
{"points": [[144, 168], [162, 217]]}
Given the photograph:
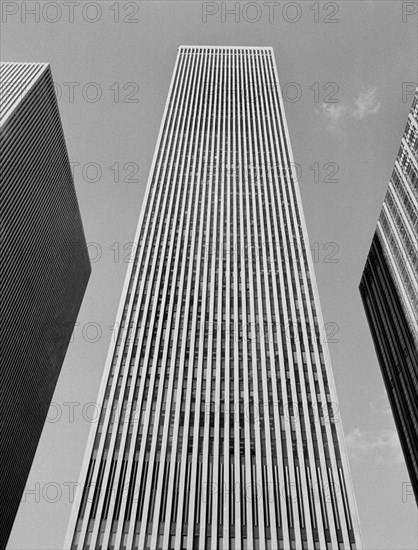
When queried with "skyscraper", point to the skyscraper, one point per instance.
{"points": [[389, 289], [44, 269], [218, 423]]}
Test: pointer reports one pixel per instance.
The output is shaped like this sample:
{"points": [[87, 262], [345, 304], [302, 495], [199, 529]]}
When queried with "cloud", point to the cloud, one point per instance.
{"points": [[366, 104], [337, 115], [334, 112], [384, 447]]}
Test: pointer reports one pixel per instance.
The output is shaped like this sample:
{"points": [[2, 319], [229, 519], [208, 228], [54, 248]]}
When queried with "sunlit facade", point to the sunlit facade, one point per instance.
{"points": [[219, 425]]}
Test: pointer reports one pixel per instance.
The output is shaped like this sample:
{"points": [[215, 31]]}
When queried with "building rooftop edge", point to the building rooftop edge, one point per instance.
{"points": [[27, 63], [226, 47]]}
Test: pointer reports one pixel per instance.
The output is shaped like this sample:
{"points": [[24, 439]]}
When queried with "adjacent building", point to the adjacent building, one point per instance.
{"points": [[219, 424], [389, 289], [44, 268]]}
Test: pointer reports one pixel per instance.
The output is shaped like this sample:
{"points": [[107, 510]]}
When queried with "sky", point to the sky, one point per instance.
{"points": [[346, 71]]}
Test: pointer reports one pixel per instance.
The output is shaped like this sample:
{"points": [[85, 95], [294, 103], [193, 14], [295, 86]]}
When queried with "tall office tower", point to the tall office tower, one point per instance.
{"points": [[389, 289], [44, 269], [217, 426]]}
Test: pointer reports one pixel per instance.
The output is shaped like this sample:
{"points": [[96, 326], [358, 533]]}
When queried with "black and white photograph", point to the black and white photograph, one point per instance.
{"points": [[209, 275]]}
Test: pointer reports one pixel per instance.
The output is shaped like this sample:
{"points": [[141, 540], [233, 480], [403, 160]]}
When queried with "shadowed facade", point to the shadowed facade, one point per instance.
{"points": [[44, 270], [389, 289]]}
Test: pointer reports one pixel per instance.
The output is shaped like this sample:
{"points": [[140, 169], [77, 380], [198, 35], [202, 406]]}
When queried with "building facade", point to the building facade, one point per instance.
{"points": [[44, 269], [389, 289], [219, 426]]}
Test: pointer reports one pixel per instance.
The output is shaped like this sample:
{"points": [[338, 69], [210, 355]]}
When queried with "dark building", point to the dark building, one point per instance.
{"points": [[44, 269], [389, 289]]}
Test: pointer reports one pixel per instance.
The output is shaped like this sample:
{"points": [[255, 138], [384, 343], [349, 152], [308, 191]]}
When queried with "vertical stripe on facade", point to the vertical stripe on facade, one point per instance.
{"points": [[44, 270], [231, 441], [389, 289]]}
